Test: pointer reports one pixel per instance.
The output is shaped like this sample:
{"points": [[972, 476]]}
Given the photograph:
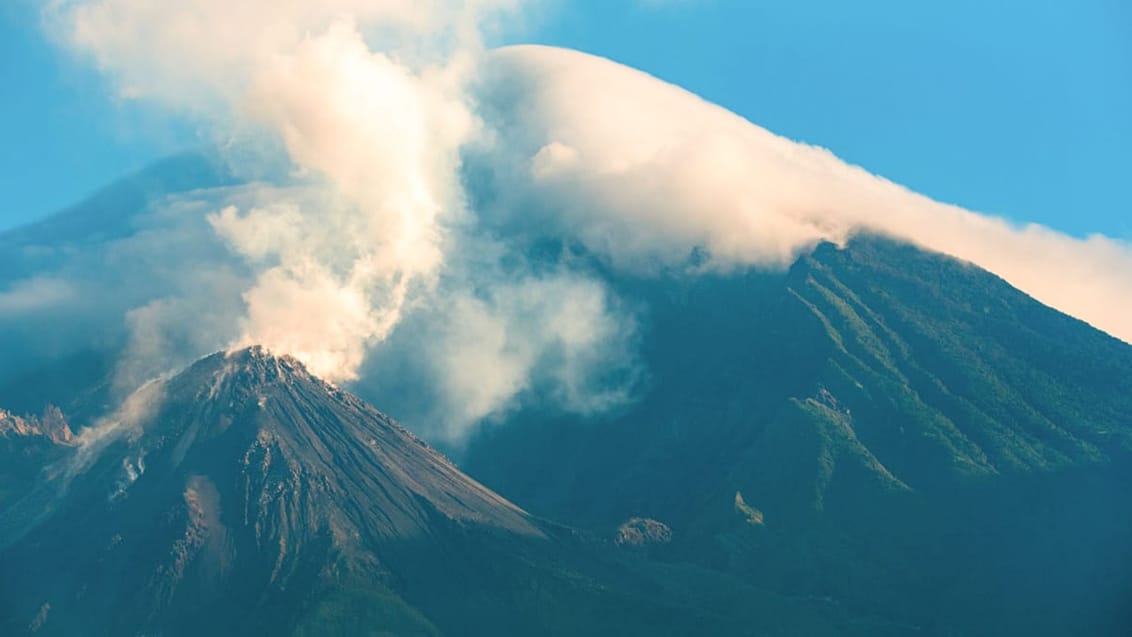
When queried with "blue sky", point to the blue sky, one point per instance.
{"points": [[1018, 108]]}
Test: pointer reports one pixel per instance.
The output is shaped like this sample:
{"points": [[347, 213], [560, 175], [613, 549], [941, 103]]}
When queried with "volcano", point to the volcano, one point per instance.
{"points": [[881, 440], [245, 495], [251, 489]]}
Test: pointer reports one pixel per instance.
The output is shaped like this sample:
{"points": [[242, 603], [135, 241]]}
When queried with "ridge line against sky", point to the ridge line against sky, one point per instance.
{"points": [[398, 178], [1016, 109]]}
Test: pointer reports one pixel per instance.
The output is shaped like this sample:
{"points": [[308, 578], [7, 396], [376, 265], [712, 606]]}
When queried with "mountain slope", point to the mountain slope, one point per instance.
{"points": [[239, 496], [109, 213], [68, 281], [892, 430], [246, 496]]}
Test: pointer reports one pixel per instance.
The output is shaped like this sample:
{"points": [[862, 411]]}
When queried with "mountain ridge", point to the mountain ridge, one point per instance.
{"points": [[255, 469], [879, 438], [894, 417], [244, 494]]}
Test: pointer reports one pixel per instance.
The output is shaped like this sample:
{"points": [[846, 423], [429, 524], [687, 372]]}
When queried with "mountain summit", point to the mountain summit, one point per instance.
{"points": [[294, 434], [243, 488], [247, 496]]}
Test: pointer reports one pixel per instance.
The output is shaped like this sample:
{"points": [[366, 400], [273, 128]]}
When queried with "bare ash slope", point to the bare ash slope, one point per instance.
{"points": [[246, 496]]}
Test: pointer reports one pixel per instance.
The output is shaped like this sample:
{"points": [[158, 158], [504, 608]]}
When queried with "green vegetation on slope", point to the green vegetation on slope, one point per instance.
{"points": [[931, 450]]}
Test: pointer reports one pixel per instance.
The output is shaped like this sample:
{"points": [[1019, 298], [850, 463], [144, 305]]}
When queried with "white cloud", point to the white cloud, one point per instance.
{"points": [[561, 329], [36, 293], [375, 106], [643, 173], [368, 104]]}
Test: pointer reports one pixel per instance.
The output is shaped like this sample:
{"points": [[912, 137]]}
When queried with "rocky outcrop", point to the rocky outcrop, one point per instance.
{"points": [[643, 532], [51, 425]]}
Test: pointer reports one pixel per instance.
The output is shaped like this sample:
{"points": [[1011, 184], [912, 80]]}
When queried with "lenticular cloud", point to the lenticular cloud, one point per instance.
{"points": [[644, 173]]}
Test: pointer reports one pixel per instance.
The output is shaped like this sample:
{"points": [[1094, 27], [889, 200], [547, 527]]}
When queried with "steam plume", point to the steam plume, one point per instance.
{"points": [[386, 114], [366, 98]]}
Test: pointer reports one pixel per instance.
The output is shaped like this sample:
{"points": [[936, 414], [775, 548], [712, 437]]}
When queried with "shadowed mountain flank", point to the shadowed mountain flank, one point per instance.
{"points": [[891, 429], [878, 440]]}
